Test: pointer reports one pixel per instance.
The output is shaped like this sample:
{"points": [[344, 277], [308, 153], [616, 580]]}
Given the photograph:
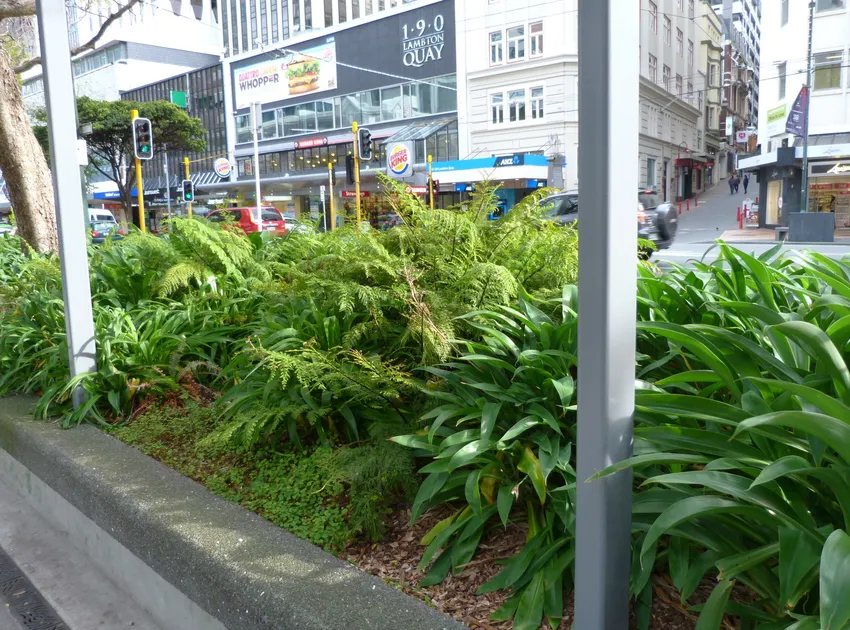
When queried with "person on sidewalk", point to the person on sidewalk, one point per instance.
{"points": [[746, 182], [737, 183], [732, 185]]}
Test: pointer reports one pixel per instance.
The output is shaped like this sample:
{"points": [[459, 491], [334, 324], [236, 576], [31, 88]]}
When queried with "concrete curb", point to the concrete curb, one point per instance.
{"points": [[236, 567]]}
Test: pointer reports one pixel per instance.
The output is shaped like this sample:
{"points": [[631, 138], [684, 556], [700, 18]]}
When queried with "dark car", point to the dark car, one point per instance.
{"points": [[657, 220], [101, 231]]}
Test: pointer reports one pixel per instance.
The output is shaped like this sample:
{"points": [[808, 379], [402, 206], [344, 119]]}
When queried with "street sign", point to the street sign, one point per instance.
{"points": [[779, 203], [322, 193]]}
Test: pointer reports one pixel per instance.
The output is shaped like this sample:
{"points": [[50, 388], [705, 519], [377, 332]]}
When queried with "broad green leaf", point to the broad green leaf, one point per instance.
{"points": [[472, 491], [505, 501], [826, 403], [780, 468], [468, 453], [835, 582], [810, 335], [640, 461], [529, 613], [432, 485], [798, 553], [530, 465], [565, 387], [489, 415], [519, 428], [832, 431], [696, 572], [438, 529], [712, 613], [731, 566], [678, 556]]}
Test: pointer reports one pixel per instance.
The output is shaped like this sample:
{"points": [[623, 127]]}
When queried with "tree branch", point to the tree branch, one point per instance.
{"points": [[16, 8], [89, 45]]}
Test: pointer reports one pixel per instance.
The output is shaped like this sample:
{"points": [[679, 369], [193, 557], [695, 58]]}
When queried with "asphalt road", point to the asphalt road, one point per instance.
{"points": [[717, 212]]}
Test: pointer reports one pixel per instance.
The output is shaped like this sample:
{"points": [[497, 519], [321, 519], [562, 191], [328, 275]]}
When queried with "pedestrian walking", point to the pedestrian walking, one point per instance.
{"points": [[746, 182], [732, 185], [737, 183]]}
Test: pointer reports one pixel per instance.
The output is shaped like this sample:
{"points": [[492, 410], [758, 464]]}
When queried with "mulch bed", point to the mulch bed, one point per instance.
{"points": [[395, 558]]}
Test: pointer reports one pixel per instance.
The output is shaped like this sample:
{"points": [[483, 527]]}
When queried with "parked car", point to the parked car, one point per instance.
{"points": [[271, 219], [6, 228], [296, 226], [106, 230], [100, 215], [657, 220]]}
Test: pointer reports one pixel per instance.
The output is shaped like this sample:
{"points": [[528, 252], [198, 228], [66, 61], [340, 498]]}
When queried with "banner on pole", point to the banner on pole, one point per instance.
{"points": [[797, 118]]}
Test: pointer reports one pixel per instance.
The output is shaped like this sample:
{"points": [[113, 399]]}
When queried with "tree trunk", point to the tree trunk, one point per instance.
{"points": [[24, 167]]}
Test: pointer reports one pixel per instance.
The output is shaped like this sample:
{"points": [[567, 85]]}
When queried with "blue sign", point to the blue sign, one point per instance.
{"points": [[536, 183], [464, 188], [510, 160], [109, 194], [517, 159]]}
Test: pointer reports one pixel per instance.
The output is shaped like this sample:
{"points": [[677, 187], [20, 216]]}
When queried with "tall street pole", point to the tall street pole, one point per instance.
{"points": [[805, 191], [256, 114], [186, 176], [140, 186], [608, 45], [62, 131], [167, 183], [356, 173]]}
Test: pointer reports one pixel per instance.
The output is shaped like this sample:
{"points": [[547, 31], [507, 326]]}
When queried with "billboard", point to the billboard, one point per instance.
{"points": [[400, 159], [776, 120], [294, 73]]}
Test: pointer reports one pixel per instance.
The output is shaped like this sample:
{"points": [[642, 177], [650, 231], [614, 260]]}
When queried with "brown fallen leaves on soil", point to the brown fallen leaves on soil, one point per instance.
{"points": [[394, 560]]}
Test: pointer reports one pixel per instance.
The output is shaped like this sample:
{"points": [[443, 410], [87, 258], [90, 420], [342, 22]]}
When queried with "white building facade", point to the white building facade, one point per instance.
{"points": [[783, 74], [744, 17], [517, 66], [672, 146]]}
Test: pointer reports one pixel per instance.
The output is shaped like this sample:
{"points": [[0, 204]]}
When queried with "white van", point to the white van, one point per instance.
{"points": [[99, 215]]}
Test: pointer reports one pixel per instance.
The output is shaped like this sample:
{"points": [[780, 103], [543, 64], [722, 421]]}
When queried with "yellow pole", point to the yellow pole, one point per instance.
{"points": [[356, 172], [186, 168], [140, 189], [332, 216], [431, 179]]}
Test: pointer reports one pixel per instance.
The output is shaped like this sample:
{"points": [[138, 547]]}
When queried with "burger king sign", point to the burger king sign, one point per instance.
{"points": [[400, 160]]}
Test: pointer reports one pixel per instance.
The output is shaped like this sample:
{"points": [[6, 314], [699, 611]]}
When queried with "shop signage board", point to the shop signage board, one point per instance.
{"points": [[222, 167], [423, 41], [776, 120], [416, 190], [400, 157], [741, 137], [797, 118], [730, 125], [351, 193], [294, 74], [309, 143]]}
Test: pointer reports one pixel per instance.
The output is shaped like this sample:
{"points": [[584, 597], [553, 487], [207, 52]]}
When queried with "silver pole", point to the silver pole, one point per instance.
{"points": [[167, 184], [62, 131], [805, 191], [608, 141], [256, 116]]}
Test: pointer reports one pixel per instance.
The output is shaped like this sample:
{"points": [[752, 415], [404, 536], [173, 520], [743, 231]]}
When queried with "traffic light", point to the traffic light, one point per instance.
{"points": [[349, 169], [142, 139], [188, 191], [365, 144]]}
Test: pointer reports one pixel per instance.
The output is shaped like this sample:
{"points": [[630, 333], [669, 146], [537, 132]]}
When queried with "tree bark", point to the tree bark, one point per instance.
{"points": [[24, 167]]}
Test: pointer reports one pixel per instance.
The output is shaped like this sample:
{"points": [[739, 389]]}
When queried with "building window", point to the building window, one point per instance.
{"points": [[653, 17], [668, 30], [264, 24], [691, 9], [355, 9], [653, 68], [784, 13], [329, 13], [690, 94], [273, 15], [516, 105], [828, 5], [699, 140], [244, 18], [665, 77], [827, 70], [497, 108], [537, 103], [679, 4], [341, 11], [535, 39], [679, 85], [680, 42], [650, 173], [712, 75], [782, 69], [516, 43], [496, 51], [254, 41], [690, 53]]}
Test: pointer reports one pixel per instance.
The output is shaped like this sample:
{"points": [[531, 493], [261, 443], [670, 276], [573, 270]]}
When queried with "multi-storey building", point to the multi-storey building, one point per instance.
{"points": [[783, 70], [672, 157], [744, 17], [710, 99], [518, 89], [737, 106], [386, 65]]}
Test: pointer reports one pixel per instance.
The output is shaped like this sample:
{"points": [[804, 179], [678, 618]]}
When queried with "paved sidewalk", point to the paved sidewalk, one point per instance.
{"points": [[82, 596], [717, 213]]}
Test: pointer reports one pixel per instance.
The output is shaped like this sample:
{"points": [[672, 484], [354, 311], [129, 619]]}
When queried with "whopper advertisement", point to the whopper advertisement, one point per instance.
{"points": [[295, 74]]}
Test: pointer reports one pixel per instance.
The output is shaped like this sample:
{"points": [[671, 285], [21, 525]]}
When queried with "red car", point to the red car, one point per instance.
{"points": [[272, 220]]}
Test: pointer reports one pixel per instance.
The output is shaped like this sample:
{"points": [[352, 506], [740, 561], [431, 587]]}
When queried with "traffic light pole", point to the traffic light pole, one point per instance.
{"points": [[140, 189], [431, 179], [356, 172], [167, 184], [256, 108], [62, 131], [186, 172], [332, 214]]}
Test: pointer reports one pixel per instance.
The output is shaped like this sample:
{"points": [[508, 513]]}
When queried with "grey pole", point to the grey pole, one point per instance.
{"points": [[805, 187], [62, 130], [608, 57], [167, 183], [256, 115]]}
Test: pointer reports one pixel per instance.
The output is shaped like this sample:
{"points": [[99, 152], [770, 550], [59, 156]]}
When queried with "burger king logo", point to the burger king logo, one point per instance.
{"points": [[222, 167], [399, 160]]}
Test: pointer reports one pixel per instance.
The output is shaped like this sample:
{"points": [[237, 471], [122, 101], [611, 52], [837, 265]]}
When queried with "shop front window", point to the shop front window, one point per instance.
{"points": [[391, 103]]}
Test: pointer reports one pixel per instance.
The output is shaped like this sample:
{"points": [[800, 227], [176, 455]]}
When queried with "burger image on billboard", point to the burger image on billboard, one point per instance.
{"points": [[399, 160], [302, 73]]}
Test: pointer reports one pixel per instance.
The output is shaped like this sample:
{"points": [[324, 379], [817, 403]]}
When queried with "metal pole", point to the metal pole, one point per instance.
{"points": [[431, 179], [62, 131], [256, 110], [140, 188], [805, 191], [167, 184], [356, 173], [187, 176], [608, 139]]}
